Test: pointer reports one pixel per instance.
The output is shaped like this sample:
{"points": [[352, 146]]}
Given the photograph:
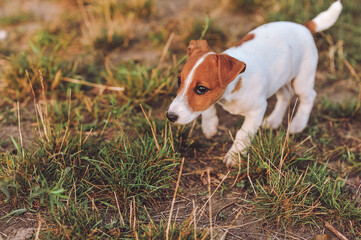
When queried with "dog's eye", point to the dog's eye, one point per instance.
{"points": [[200, 90], [179, 81]]}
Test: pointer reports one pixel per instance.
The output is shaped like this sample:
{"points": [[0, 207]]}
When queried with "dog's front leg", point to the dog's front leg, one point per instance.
{"points": [[210, 122], [243, 137]]}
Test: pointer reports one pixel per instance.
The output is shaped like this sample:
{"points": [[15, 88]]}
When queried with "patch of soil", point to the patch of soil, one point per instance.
{"points": [[17, 227]]}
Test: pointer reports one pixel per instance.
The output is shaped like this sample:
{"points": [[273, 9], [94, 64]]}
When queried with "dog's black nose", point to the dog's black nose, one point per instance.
{"points": [[172, 116]]}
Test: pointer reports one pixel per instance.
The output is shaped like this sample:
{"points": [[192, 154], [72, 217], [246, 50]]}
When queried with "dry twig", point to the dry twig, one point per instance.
{"points": [[173, 201], [334, 231], [95, 85]]}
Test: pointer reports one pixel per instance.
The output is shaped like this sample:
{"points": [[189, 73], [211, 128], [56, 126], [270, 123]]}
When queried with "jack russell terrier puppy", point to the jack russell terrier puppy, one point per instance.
{"points": [[279, 56]]}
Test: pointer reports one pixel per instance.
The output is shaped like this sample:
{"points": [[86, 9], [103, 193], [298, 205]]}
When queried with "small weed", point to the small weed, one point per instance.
{"points": [[208, 31], [353, 158], [158, 37], [46, 40], [7, 116]]}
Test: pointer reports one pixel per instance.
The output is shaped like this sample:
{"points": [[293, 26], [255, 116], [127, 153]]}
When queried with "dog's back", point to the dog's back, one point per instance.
{"points": [[279, 49]]}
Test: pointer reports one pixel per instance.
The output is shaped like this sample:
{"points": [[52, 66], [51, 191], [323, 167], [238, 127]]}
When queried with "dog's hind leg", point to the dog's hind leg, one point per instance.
{"points": [[303, 87], [284, 96]]}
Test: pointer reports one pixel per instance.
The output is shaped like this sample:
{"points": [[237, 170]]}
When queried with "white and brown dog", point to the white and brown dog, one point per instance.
{"points": [[276, 54]]}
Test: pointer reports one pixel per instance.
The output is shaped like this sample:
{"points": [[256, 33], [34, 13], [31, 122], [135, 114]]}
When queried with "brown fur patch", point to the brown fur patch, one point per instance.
{"points": [[214, 73], [311, 26], [238, 85], [246, 38], [192, 60], [197, 46], [205, 75]]}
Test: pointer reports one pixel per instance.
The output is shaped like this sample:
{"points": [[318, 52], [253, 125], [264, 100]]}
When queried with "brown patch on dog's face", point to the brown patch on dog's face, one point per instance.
{"points": [[214, 74], [311, 26], [238, 85], [192, 60], [246, 38], [196, 50]]}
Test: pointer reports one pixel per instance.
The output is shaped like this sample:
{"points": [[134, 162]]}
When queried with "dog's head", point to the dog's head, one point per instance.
{"points": [[202, 82]]}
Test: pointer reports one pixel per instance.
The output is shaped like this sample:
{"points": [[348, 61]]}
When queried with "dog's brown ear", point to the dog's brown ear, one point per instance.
{"points": [[228, 68], [197, 46]]}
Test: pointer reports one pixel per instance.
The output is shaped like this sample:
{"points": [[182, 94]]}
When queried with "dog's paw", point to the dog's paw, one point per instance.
{"points": [[233, 156], [272, 122], [210, 127], [231, 159], [209, 133], [298, 125]]}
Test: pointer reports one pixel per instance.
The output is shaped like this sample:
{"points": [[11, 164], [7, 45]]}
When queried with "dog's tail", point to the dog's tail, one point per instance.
{"points": [[325, 19]]}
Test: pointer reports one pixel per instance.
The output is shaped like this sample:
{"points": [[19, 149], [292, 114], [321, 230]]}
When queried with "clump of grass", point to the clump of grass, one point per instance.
{"points": [[247, 5], [66, 170], [274, 150], [36, 69], [82, 220], [72, 179], [106, 27], [16, 19], [49, 40], [284, 198], [350, 109], [184, 230], [107, 43], [311, 196], [134, 168], [141, 83], [332, 193], [140, 8], [289, 192]]}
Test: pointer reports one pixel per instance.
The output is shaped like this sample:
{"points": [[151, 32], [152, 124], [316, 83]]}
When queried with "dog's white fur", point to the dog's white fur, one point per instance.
{"points": [[281, 53]]}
